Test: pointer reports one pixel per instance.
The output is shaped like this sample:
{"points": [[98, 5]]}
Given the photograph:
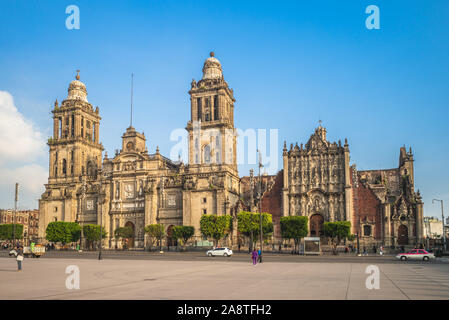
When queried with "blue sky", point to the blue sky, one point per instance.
{"points": [[289, 63]]}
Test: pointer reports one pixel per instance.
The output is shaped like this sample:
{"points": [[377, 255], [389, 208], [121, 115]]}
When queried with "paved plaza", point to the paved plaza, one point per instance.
{"points": [[221, 278]]}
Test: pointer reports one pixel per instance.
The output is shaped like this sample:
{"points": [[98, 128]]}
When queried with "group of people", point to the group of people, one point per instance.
{"points": [[256, 256]]}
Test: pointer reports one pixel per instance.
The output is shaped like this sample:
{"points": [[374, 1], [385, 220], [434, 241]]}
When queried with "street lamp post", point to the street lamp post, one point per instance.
{"points": [[260, 206], [14, 215], [101, 217], [442, 216]]}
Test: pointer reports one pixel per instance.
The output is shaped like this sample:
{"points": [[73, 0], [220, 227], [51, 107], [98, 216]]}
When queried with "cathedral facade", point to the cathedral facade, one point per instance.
{"points": [[136, 188]]}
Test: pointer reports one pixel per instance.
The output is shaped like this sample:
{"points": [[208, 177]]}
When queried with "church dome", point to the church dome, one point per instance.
{"points": [[77, 89], [212, 68]]}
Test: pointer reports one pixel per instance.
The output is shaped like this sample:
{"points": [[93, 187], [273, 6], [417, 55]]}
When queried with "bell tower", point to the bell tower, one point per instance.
{"points": [[74, 161], [212, 139], [75, 149]]}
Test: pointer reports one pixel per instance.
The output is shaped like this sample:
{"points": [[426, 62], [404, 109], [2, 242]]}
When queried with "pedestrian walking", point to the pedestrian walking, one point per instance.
{"points": [[19, 259], [254, 256], [381, 250]]}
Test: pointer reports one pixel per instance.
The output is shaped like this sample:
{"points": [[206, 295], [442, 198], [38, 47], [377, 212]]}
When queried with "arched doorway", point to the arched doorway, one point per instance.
{"points": [[316, 225], [130, 241], [402, 235]]}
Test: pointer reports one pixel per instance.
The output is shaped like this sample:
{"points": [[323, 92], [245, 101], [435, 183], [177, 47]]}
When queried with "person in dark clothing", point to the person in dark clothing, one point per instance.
{"points": [[19, 258]]}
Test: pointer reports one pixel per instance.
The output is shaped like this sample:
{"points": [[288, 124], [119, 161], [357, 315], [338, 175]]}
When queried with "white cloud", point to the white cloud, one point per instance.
{"points": [[19, 139], [30, 177], [21, 145]]}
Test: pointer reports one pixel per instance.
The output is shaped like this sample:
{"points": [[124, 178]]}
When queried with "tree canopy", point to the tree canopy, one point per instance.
{"points": [[248, 223], [7, 231], [337, 230], [155, 231], [183, 232], [123, 233], [294, 227], [63, 232], [92, 232], [215, 227]]}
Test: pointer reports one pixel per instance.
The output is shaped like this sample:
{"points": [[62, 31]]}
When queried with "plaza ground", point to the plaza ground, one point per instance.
{"points": [[192, 276]]}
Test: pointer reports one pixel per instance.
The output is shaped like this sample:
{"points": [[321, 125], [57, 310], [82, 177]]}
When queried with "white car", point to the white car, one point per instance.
{"points": [[416, 254], [225, 252]]}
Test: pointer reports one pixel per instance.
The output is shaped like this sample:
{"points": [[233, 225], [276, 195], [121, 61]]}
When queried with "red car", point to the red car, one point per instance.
{"points": [[416, 254]]}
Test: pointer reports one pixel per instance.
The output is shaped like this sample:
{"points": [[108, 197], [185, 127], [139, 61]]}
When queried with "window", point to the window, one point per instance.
{"points": [[56, 209], [198, 102], [55, 219], [367, 231], [73, 126], [64, 166], [204, 211], [216, 116], [208, 115], [204, 200]]}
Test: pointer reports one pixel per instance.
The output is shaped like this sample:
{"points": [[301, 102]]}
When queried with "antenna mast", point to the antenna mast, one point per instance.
{"points": [[132, 82]]}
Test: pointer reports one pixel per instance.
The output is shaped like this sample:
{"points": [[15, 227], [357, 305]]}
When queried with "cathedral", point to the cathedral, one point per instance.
{"points": [[136, 188]]}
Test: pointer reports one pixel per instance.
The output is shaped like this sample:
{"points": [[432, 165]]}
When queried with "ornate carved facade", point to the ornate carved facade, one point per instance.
{"points": [[381, 205], [316, 181]]}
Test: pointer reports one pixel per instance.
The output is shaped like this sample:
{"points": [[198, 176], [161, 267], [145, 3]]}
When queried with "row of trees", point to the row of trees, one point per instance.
{"points": [[212, 227], [248, 223], [67, 232], [180, 234], [11, 231]]}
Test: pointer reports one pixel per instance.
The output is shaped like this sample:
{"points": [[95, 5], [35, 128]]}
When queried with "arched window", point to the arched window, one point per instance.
{"points": [[73, 126], [199, 106], [64, 166], [60, 128], [216, 116]]}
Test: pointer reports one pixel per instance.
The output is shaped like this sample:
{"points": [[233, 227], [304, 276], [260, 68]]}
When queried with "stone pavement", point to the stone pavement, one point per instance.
{"points": [[219, 278]]}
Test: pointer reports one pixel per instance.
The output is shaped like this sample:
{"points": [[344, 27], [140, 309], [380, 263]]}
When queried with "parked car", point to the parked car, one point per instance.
{"points": [[416, 254], [225, 252]]}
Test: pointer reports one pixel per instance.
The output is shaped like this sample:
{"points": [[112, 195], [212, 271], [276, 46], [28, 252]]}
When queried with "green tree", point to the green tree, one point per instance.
{"points": [[63, 232], [155, 232], [337, 230], [11, 231], [183, 233], [248, 224], [123, 233], [92, 233], [215, 227], [294, 227]]}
